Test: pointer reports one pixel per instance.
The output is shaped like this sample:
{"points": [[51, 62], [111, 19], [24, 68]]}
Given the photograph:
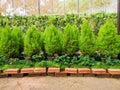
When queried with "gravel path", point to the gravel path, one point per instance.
{"points": [[59, 83]]}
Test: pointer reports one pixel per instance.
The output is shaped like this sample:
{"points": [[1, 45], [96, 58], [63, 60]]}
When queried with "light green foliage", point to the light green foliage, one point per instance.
{"points": [[10, 42], [17, 34], [32, 42], [71, 36], [53, 40], [5, 41], [42, 41], [117, 44], [87, 39], [107, 39], [46, 64]]}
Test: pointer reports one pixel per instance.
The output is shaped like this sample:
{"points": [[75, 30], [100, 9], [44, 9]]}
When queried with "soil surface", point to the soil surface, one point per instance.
{"points": [[59, 83]]}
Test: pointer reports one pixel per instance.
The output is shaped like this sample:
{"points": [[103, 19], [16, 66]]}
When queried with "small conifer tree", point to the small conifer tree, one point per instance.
{"points": [[5, 41], [71, 42], [10, 42], [87, 39], [53, 40], [107, 39], [32, 42], [19, 36]]}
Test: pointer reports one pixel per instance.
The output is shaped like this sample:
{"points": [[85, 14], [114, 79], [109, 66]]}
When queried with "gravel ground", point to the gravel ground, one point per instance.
{"points": [[59, 83]]}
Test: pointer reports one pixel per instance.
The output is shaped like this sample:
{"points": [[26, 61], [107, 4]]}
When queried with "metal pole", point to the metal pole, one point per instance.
{"points": [[78, 6], [91, 6], [118, 12], [64, 7], [52, 8], [39, 1], [25, 6], [12, 4]]}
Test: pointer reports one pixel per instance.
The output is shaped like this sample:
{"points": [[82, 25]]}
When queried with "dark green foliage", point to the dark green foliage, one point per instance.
{"points": [[71, 36], [21, 64], [98, 19], [75, 61], [60, 21], [53, 40], [3, 60], [87, 61], [17, 64], [107, 39], [32, 42], [38, 57], [87, 39]]}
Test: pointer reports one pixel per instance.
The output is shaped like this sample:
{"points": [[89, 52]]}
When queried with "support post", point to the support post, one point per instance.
{"points": [[118, 12], [39, 1], [52, 7], [64, 7], [78, 7]]}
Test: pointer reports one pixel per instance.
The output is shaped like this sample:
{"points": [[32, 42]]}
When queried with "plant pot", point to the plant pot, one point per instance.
{"points": [[78, 53], [49, 58], [27, 58], [55, 55], [12, 59]]}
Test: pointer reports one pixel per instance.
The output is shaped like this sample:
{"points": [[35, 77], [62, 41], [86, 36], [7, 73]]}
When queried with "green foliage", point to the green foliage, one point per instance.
{"points": [[107, 39], [100, 65], [20, 38], [60, 21], [46, 64], [117, 44], [38, 57], [87, 61], [71, 36], [21, 64], [75, 61], [32, 42], [5, 41], [3, 60], [11, 42], [5, 67], [53, 40], [87, 39], [17, 42]]}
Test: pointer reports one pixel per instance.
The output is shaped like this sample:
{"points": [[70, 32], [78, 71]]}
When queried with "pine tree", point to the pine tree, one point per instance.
{"points": [[5, 41], [87, 39], [71, 36], [53, 40], [107, 39], [18, 34], [10, 42], [32, 42]]}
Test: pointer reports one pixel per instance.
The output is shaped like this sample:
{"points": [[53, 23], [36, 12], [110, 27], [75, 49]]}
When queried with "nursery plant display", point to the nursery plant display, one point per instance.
{"points": [[59, 37]]}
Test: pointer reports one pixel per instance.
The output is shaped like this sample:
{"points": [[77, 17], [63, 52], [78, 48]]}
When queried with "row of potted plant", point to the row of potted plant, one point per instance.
{"points": [[53, 41]]}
